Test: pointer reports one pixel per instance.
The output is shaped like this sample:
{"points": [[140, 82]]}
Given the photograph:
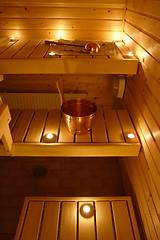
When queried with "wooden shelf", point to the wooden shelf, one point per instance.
{"points": [[32, 57], [108, 136]]}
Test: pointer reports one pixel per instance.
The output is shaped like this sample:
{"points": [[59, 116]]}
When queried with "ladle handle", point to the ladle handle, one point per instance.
{"points": [[60, 90]]}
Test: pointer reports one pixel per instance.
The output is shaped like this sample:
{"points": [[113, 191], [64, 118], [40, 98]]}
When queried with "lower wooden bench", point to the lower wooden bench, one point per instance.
{"points": [[52, 218]]}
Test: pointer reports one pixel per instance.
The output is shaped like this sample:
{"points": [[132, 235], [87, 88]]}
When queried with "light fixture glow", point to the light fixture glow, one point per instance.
{"points": [[86, 208], [52, 53], [130, 54], [12, 38], [60, 35], [130, 136], [49, 135], [49, 138]]}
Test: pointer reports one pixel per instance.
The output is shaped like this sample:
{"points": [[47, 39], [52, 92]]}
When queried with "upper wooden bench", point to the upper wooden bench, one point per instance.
{"points": [[33, 57]]}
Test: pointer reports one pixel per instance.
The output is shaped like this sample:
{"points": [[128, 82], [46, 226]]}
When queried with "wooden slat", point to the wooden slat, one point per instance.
{"points": [[39, 51], [148, 24], [54, 24], [83, 138], [65, 12], [22, 124], [37, 125], [32, 221], [86, 226], [64, 134], [127, 125], [10, 52], [114, 130], [99, 130], [53, 122], [124, 50], [68, 223], [38, 65], [4, 48], [123, 225], [50, 223], [105, 225], [14, 116], [27, 49]]}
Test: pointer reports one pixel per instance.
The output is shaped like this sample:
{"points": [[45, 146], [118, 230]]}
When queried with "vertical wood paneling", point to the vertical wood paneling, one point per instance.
{"points": [[142, 174]]}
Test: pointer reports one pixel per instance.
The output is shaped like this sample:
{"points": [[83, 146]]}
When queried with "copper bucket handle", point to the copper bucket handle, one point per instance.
{"points": [[60, 90]]}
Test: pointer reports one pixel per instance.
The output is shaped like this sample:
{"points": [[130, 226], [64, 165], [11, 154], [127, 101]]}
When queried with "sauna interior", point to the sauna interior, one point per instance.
{"points": [[101, 166]]}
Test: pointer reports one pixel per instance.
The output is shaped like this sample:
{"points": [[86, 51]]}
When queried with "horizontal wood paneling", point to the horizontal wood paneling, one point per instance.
{"points": [[71, 21], [87, 84], [142, 174], [61, 12]]}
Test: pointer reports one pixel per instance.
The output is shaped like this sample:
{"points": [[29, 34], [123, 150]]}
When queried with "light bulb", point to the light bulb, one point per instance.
{"points": [[86, 209], [49, 138], [52, 53], [49, 135], [130, 54], [131, 135]]}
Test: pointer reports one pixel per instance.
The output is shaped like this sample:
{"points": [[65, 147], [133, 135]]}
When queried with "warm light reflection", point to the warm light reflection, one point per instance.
{"points": [[117, 36], [60, 35], [127, 39]]}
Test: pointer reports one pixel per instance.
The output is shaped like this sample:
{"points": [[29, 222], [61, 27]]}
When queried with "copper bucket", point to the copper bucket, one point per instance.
{"points": [[77, 113]]}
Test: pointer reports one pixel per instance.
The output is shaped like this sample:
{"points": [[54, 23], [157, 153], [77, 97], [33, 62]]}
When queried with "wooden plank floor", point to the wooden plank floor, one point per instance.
{"points": [[34, 56], [110, 218]]}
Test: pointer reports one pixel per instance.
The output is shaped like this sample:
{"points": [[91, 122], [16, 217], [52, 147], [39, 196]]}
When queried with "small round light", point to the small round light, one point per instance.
{"points": [[130, 136], [49, 138], [51, 53], [86, 209], [49, 135], [12, 38], [130, 54]]}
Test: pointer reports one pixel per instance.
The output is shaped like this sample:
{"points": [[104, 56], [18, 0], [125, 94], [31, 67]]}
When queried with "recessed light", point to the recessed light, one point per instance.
{"points": [[49, 138], [130, 54], [87, 210], [52, 53], [131, 136]]}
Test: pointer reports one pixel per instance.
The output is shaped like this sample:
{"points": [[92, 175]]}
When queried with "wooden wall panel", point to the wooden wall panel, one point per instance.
{"points": [[92, 21], [141, 175], [88, 84]]}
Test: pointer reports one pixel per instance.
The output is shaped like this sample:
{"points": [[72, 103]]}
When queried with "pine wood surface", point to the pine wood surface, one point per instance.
{"points": [[31, 126], [32, 56], [142, 175], [70, 212], [72, 18]]}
